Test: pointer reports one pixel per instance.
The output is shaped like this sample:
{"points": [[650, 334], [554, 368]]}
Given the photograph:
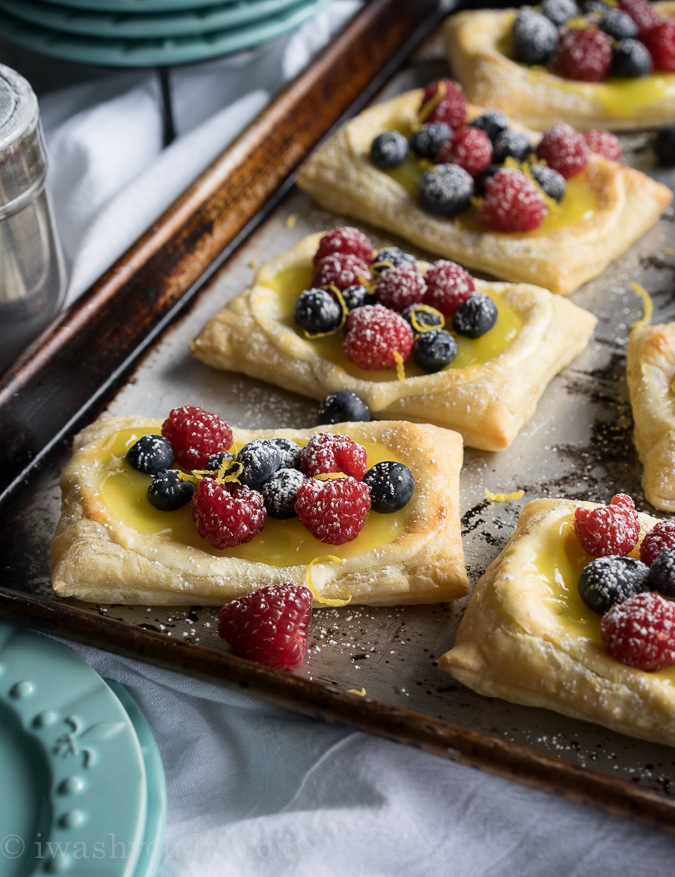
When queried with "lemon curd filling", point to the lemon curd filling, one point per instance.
{"points": [[288, 284], [123, 491]]}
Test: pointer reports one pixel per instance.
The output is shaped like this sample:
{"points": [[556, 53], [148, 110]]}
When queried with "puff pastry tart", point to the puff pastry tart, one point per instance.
{"points": [[605, 207], [480, 49], [113, 546], [650, 373], [528, 637], [486, 393]]}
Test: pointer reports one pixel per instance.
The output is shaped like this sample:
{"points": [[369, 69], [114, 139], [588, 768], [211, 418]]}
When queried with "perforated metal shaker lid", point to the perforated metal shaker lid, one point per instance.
{"points": [[23, 161]]}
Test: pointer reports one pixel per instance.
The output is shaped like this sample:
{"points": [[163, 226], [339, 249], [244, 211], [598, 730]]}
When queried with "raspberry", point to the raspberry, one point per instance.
{"points": [[333, 452], [195, 435], [512, 202], [643, 14], [227, 514], [603, 143], [641, 632], [584, 54], [269, 625], [470, 148], [344, 239], [341, 270], [450, 107], [563, 149], [605, 530], [335, 510], [658, 539], [374, 334], [448, 285], [660, 42], [399, 287]]}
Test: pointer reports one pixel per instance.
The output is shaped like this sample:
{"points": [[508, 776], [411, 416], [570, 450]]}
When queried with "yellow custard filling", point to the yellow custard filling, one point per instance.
{"points": [[288, 284], [123, 491]]}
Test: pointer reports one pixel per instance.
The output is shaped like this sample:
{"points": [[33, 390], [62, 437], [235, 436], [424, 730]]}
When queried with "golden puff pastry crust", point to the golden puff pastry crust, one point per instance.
{"points": [[341, 177], [539, 98], [487, 403], [97, 556], [650, 370], [524, 639]]}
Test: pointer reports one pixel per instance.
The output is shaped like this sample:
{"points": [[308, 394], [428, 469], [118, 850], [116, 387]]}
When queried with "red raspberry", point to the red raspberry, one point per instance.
{"points": [[655, 541], [643, 14], [640, 632], [269, 625], [333, 452], [603, 143], [448, 285], [563, 149], [345, 239], [335, 510], [584, 54], [196, 434], [661, 44], [470, 148], [612, 529], [449, 108], [400, 286], [341, 270], [512, 202], [374, 334], [227, 514]]}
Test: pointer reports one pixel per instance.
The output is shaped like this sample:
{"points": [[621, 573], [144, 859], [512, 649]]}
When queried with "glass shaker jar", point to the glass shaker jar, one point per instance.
{"points": [[32, 273]]}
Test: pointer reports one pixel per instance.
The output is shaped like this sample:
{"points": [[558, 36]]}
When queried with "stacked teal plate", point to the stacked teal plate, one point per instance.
{"points": [[139, 33], [83, 785]]}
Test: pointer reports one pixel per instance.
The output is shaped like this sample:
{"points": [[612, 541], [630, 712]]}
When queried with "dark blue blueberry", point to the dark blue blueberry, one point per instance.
{"points": [[492, 122], [535, 37], [168, 491], [482, 179], [317, 311], [476, 315], [259, 459], [434, 349], [217, 460], [664, 146], [389, 149], [425, 316], [390, 257], [151, 454], [607, 581], [511, 143], [427, 140], [552, 183], [619, 25], [356, 297], [559, 11], [391, 486], [341, 407], [631, 59], [446, 189], [289, 452], [280, 491], [662, 574], [595, 7]]}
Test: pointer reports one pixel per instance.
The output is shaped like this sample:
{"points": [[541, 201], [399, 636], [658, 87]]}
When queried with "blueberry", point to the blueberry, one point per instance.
{"points": [[492, 122], [482, 179], [342, 406], [609, 580], [434, 349], [619, 25], [511, 143], [168, 491], [662, 574], [475, 316], [535, 37], [391, 257], [289, 452], [317, 311], [423, 317], [356, 297], [552, 183], [427, 140], [389, 149], [217, 460], [664, 145], [595, 7], [259, 459], [446, 189], [391, 486], [559, 11], [631, 59], [280, 491], [151, 454]]}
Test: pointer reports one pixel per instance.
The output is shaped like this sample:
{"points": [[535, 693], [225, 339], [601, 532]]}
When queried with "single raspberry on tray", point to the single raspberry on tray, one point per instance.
{"points": [[655, 541], [196, 434], [227, 514], [399, 287], [447, 102], [640, 632], [643, 14], [269, 625], [603, 143], [448, 285], [345, 239], [512, 202], [334, 511], [333, 452], [584, 54], [605, 530], [374, 335], [470, 148], [563, 149], [660, 42], [341, 270]]}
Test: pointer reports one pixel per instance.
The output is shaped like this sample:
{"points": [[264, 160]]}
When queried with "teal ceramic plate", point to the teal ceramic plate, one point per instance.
{"points": [[75, 797], [134, 26], [140, 5], [153, 52]]}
